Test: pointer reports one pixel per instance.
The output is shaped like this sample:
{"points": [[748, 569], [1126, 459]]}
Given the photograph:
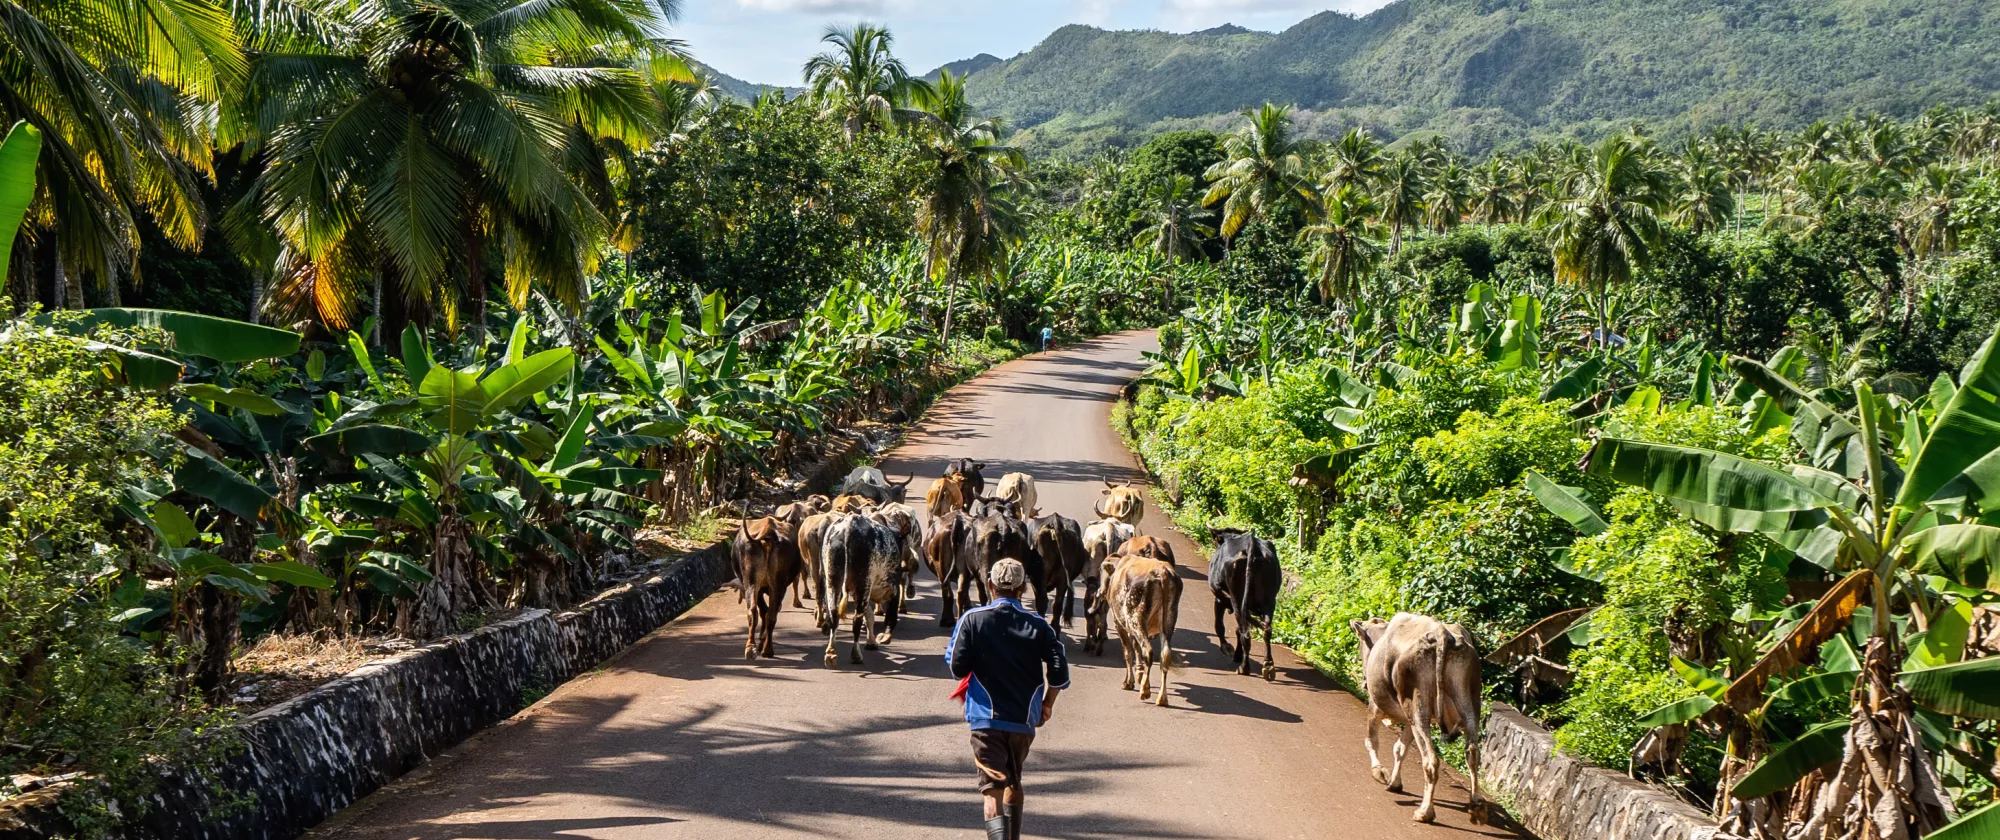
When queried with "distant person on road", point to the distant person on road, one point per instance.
{"points": [[1047, 334], [1010, 666]]}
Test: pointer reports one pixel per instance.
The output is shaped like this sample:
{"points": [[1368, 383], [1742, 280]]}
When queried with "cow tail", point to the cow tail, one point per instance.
{"points": [[1438, 694]]}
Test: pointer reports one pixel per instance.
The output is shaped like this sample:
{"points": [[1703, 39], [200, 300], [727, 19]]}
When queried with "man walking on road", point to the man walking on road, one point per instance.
{"points": [[1011, 667]]}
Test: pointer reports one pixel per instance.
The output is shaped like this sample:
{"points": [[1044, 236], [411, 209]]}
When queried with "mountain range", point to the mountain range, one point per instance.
{"points": [[1496, 73]]}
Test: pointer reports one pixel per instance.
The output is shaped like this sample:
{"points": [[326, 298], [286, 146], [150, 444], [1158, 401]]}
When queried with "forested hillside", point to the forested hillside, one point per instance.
{"points": [[1491, 73]]}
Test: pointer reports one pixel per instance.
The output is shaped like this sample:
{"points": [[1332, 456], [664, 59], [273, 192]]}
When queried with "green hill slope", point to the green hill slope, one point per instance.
{"points": [[1495, 72]]}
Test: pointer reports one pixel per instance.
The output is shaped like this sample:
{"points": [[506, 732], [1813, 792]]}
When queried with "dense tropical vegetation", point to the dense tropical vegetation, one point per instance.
{"points": [[1694, 438], [435, 306]]}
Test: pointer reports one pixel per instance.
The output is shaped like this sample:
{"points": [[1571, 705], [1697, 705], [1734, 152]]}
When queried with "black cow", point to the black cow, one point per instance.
{"points": [[970, 468], [1059, 540], [995, 532], [861, 564], [1245, 577]]}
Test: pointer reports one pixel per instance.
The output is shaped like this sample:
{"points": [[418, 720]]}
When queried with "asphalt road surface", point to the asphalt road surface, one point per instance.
{"points": [[680, 737]]}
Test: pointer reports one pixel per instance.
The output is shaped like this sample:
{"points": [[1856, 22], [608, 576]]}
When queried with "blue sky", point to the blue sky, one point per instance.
{"points": [[766, 41]]}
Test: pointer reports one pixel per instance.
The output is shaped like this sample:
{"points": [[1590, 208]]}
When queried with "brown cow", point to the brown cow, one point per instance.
{"points": [[796, 513], [1101, 539], [767, 562], [1142, 598], [947, 494], [941, 553], [1122, 502], [1420, 672], [1151, 547], [810, 534], [851, 503]]}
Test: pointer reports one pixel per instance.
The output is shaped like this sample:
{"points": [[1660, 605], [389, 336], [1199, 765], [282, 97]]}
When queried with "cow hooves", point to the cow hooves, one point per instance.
{"points": [[1480, 813], [1270, 673], [749, 653], [1161, 701], [832, 661], [1396, 786], [870, 644], [855, 657], [1427, 816], [1145, 694]]}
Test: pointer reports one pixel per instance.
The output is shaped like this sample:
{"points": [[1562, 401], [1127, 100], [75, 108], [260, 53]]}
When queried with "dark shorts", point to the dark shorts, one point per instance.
{"points": [[999, 756]]}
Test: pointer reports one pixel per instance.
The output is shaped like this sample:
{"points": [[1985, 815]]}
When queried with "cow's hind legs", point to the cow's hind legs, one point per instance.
{"points": [[1221, 637], [1426, 752], [889, 624], [1396, 761], [771, 624], [1166, 665], [864, 618], [1374, 759], [753, 617], [1270, 662], [1145, 668]]}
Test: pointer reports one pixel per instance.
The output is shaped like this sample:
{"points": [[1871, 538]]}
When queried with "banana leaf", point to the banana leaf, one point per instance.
{"points": [[296, 574], [1962, 552], [1982, 823], [1702, 476], [243, 398], [510, 385], [207, 336], [210, 479], [1969, 689], [1565, 503], [1963, 432], [1832, 614], [18, 154], [1974, 493], [1580, 382], [454, 399], [368, 439], [1818, 687], [1679, 711], [1785, 766]]}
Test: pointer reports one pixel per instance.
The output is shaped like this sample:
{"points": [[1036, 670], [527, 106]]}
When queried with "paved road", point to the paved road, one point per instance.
{"points": [[680, 737]]}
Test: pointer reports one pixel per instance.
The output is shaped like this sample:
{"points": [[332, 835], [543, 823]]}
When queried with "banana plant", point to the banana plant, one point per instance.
{"points": [[1885, 526]]}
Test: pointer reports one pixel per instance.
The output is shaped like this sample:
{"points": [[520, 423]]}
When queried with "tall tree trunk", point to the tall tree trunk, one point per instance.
{"points": [[73, 289], [59, 290], [950, 300], [475, 282], [376, 318], [257, 284]]}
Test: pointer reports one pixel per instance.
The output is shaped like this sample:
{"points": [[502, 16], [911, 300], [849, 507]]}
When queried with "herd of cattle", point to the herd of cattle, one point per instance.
{"points": [[859, 552]]}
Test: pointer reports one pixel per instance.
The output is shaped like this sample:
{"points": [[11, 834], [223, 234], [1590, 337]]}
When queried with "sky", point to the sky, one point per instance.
{"points": [[766, 41]]}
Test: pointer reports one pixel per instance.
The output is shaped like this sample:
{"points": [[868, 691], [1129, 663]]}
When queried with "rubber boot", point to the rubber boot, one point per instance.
{"points": [[1014, 821], [999, 828]]}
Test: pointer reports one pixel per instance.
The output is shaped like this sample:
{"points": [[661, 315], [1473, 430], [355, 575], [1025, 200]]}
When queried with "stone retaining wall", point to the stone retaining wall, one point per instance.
{"points": [[319, 752], [1560, 797]]}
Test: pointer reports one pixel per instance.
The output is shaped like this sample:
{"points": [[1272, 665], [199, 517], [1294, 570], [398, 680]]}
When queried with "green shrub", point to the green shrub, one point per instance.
{"points": [[1489, 451], [76, 693]]}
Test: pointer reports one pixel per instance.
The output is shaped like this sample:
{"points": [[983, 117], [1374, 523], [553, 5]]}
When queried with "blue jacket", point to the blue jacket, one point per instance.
{"points": [[1013, 657]]}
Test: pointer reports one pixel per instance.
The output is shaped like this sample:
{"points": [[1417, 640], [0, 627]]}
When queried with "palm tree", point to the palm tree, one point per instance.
{"points": [[1702, 196], [405, 144], [123, 92], [1490, 197], [1355, 160], [1929, 215], [1263, 168], [1814, 191], [1400, 196], [1605, 227], [966, 212], [860, 80], [1445, 196], [1346, 242], [1173, 218]]}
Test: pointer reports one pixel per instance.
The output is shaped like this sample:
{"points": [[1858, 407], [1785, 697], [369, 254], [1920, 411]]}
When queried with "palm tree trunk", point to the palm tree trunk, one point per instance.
{"points": [[257, 284], [950, 300], [60, 296]]}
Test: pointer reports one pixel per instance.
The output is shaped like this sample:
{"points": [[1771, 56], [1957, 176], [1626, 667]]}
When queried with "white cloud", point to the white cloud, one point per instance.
{"points": [[818, 7]]}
